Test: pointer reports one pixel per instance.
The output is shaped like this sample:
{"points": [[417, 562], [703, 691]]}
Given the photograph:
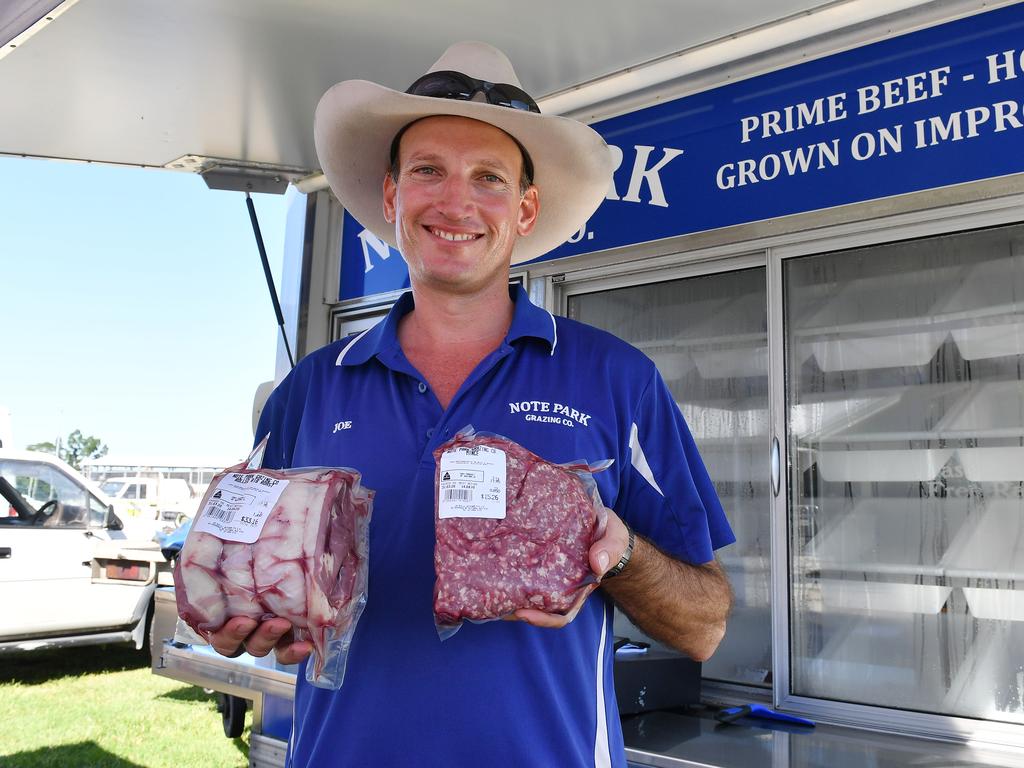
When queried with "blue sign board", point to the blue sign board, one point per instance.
{"points": [[368, 264], [928, 109]]}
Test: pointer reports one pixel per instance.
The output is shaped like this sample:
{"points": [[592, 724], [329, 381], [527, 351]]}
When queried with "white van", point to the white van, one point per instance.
{"points": [[165, 499]]}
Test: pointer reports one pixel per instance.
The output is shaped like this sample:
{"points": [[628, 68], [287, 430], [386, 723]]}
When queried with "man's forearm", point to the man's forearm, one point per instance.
{"points": [[684, 606]]}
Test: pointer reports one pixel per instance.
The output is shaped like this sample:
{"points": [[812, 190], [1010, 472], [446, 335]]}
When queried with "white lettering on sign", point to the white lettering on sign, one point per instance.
{"points": [[1004, 66], [965, 124], [789, 161], [878, 141], [642, 174], [370, 242], [902, 90], [868, 144], [795, 117]]}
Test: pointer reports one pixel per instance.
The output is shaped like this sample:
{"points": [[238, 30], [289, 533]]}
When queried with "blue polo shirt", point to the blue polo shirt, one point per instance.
{"points": [[501, 693]]}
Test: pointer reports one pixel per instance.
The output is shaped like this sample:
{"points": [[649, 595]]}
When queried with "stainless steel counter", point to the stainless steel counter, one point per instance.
{"points": [[670, 740]]}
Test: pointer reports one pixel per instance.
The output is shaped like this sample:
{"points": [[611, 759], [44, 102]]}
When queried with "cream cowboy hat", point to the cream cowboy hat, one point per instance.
{"points": [[357, 120]]}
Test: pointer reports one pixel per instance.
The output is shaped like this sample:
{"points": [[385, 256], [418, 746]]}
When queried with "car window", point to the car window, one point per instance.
{"points": [[28, 479], [9, 515], [41, 483], [130, 492], [112, 487], [97, 512], [142, 491]]}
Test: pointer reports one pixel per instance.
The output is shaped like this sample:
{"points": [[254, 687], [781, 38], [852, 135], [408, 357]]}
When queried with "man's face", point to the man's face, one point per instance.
{"points": [[456, 204]]}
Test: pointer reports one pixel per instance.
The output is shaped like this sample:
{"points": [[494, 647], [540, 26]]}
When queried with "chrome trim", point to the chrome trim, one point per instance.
{"points": [[733, 694], [640, 757], [976, 214], [626, 274], [232, 676], [979, 734], [712, 244], [68, 641], [323, 264], [769, 59], [776, 468], [779, 510], [266, 751]]}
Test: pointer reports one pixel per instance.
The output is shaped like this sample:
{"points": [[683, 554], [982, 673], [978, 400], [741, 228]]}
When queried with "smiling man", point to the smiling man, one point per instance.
{"points": [[465, 177]]}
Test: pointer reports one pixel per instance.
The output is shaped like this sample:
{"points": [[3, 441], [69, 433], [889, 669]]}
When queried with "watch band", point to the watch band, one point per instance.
{"points": [[616, 569]]}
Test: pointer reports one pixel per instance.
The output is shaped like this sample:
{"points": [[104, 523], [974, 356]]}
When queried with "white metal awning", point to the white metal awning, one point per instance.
{"points": [[174, 84]]}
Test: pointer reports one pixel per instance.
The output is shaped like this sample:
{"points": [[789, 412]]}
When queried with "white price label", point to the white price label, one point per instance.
{"points": [[239, 506], [472, 483]]}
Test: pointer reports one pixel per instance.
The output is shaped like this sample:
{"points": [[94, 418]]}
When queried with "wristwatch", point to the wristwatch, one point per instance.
{"points": [[616, 569]]}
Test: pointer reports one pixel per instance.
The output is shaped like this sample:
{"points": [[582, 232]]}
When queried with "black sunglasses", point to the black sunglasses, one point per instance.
{"points": [[449, 84]]}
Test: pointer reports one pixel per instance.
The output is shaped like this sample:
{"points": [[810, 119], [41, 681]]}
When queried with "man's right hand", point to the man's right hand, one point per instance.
{"points": [[260, 638]]}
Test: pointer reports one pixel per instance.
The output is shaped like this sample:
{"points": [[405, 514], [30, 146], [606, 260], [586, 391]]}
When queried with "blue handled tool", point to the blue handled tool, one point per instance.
{"points": [[730, 714]]}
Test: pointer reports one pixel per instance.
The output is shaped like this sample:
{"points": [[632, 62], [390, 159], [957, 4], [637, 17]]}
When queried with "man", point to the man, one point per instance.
{"points": [[478, 179]]}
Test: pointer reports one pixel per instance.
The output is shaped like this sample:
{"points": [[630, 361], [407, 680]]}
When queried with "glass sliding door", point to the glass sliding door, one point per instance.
{"points": [[905, 411], [708, 337]]}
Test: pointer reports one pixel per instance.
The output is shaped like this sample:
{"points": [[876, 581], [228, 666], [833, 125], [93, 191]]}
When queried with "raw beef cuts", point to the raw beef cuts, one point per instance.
{"points": [[536, 557], [307, 563]]}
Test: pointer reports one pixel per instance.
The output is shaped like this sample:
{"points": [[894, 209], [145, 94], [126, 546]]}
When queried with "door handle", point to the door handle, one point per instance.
{"points": [[5, 552], [776, 467]]}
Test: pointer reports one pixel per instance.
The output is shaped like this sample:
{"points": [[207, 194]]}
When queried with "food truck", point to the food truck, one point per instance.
{"points": [[815, 230]]}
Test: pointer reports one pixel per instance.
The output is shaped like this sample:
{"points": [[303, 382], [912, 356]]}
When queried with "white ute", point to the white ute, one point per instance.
{"points": [[69, 574]]}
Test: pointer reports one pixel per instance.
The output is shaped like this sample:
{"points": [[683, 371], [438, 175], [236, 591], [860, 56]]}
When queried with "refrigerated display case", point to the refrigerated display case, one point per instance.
{"points": [[905, 516], [708, 335], [894, 583]]}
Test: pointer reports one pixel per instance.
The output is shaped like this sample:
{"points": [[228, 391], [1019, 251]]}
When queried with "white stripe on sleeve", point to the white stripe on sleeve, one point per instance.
{"points": [[639, 461], [554, 327]]}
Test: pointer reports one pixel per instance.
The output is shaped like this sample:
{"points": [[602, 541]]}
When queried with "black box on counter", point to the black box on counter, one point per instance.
{"points": [[655, 679]]}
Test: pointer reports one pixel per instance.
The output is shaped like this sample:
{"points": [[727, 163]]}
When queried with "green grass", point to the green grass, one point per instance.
{"points": [[101, 707]]}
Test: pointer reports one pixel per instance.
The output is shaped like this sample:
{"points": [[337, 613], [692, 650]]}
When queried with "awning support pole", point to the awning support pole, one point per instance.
{"points": [[266, 272]]}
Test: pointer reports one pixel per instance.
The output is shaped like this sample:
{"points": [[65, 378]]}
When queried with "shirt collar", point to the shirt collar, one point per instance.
{"points": [[528, 320]]}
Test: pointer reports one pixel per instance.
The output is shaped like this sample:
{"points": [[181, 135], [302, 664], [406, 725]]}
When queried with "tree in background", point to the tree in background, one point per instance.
{"points": [[78, 448]]}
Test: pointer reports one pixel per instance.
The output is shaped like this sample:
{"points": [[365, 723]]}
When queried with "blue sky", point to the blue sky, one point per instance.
{"points": [[133, 307]]}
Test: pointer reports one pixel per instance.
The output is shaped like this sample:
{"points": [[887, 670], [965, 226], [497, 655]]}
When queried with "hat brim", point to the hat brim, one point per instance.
{"points": [[356, 121]]}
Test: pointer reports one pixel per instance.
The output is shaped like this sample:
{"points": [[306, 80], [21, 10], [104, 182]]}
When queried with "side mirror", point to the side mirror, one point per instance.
{"points": [[113, 521]]}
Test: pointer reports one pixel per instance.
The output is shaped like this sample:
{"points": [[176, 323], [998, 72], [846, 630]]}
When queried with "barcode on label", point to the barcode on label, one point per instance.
{"points": [[458, 494], [218, 513]]}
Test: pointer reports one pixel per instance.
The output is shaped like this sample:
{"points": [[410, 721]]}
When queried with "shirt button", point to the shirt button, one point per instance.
{"points": [[422, 387], [430, 433]]}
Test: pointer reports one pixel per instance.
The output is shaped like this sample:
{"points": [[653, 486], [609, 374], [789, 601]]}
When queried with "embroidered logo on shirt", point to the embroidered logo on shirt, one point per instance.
{"points": [[551, 413], [342, 425]]}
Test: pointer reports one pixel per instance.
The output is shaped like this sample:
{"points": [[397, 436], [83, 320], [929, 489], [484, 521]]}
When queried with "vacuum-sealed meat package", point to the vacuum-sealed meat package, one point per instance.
{"points": [[281, 543], [512, 530]]}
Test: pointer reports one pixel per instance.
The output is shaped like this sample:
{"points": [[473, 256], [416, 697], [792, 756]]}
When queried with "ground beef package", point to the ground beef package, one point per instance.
{"points": [[512, 530], [280, 543]]}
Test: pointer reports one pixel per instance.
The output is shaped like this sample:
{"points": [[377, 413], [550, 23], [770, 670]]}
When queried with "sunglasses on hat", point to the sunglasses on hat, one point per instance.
{"points": [[449, 84]]}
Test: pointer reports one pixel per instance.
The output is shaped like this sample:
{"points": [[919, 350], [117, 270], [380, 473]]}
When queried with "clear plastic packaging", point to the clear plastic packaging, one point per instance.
{"points": [[281, 543], [512, 530]]}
